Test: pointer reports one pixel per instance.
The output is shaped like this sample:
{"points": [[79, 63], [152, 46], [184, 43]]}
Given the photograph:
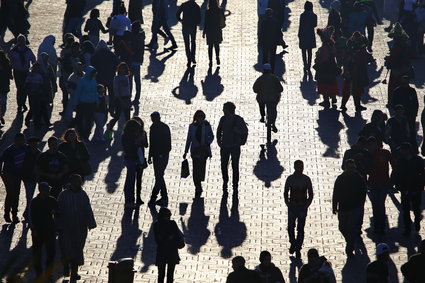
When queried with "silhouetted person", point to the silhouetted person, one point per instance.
{"points": [[268, 38], [160, 20], [73, 18], [268, 272], [377, 271], [408, 178], [119, 24], [241, 273], [5, 78], [306, 35], [414, 270], [361, 156], [190, 21], [137, 44], [349, 195], [11, 168], [135, 8], [376, 127], [199, 138], [74, 220], [214, 23], [230, 133], [76, 153], [397, 130], [317, 269], [334, 18], [42, 224], [298, 197], [268, 89], [159, 150], [167, 238], [29, 175]]}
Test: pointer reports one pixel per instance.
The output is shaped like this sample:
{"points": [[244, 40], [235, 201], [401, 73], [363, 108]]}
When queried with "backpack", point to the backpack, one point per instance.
{"points": [[243, 137]]}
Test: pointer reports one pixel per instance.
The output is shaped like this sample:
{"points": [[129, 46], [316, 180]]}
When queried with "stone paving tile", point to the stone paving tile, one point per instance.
{"points": [[219, 229]]}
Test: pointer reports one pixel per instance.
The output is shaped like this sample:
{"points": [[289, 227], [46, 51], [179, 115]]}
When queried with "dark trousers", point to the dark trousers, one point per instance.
{"points": [[21, 95], [269, 54], [160, 163], [139, 176], [377, 196], [370, 27], [189, 37], [13, 188], [130, 180], [216, 46], [84, 118], [307, 54], [411, 201], [350, 224], [64, 88], [156, 25], [42, 239], [135, 75], [40, 111], [296, 217], [199, 165], [122, 106], [226, 153], [170, 272], [271, 111]]}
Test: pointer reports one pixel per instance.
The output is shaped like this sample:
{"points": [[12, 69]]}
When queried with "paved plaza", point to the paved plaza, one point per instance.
{"points": [[216, 228]]}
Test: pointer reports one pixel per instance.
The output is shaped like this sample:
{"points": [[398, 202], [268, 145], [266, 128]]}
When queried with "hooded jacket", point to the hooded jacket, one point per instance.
{"points": [[48, 46], [86, 91], [106, 62]]}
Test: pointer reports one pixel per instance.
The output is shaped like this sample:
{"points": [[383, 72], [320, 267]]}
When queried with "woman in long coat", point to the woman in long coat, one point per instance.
{"points": [[306, 35], [214, 23]]}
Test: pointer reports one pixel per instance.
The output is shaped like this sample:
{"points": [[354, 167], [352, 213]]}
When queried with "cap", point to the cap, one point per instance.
{"points": [[267, 66], [382, 248]]}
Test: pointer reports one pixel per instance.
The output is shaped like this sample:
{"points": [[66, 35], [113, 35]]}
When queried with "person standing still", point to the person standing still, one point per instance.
{"points": [[159, 152], [306, 35], [215, 21], [190, 21], [298, 196], [231, 133]]}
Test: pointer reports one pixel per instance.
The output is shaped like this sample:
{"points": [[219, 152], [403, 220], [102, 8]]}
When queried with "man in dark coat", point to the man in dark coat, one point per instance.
{"points": [[267, 271], [241, 273], [190, 21], [268, 38]]}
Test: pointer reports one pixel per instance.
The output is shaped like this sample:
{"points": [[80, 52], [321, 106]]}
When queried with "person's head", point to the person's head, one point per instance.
{"points": [[21, 40], [70, 135], [87, 47], [140, 121], [164, 214], [123, 69], [372, 144], [199, 117], [19, 139], [308, 6], [94, 14], [4, 60], [405, 80], [52, 143], [267, 68], [136, 27], [350, 165], [75, 48], [131, 127], [212, 4], [229, 108], [44, 189], [155, 117], [299, 166], [75, 181], [382, 251], [101, 90], [269, 12], [68, 40], [238, 262], [377, 117], [33, 142], [405, 150], [399, 110], [336, 5], [312, 256], [265, 258]]}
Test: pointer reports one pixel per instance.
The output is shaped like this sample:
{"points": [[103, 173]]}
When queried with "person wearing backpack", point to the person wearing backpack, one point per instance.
{"points": [[232, 132]]}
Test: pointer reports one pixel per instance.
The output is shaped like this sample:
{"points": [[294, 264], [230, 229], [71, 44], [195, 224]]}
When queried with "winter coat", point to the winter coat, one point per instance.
{"points": [[306, 35], [199, 148], [268, 88]]}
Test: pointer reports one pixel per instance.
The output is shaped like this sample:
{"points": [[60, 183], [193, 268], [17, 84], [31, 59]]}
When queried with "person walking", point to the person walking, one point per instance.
{"points": [[160, 20], [159, 152], [21, 56], [143, 164], [298, 196], [317, 269], [199, 139], [94, 26], [74, 220], [306, 35], [349, 195], [397, 130], [119, 24], [42, 214], [232, 132], [169, 239], [190, 21], [376, 127], [137, 44], [268, 272], [241, 273], [269, 37], [36, 85], [100, 115], [5, 78], [215, 21], [268, 89], [11, 166]]}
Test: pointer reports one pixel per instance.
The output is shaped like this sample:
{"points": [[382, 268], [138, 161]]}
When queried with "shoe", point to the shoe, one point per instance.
{"points": [[284, 46], [274, 129], [198, 193], [360, 108], [369, 48], [75, 277], [298, 254], [388, 28], [7, 218], [19, 109], [15, 219], [194, 61], [262, 120], [166, 40], [218, 61], [343, 108], [162, 202], [139, 201], [24, 108], [174, 46], [292, 249]]}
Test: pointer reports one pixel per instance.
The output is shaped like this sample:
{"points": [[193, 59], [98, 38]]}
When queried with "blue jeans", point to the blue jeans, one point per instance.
{"points": [[135, 75], [377, 196], [296, 212], [160, 163], [130, 180]]}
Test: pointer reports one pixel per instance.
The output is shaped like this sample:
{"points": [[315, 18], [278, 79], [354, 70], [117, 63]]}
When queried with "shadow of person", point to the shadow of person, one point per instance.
{"points": [[196, 232], [419, 67], [149, 245], [354, 269], [293, 267], [308, 88], [280, 67], [268, 168], [328, 129], [156, 67], [229, 231], [187, 88], [6, 235], [211, 85], [115, 165], [127, 242], [354, 125]]}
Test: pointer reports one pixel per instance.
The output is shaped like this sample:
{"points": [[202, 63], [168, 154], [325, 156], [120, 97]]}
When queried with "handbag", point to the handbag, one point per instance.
{"points": [[222, 20], [184, 173]]}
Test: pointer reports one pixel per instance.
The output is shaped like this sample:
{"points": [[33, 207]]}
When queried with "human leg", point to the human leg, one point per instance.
{"points": [[130, 179], [186, 35], [170, 272], [161, 272], [235, 154], [405, 204], [262, 107], [29, 194], [377, 196], [21, 95], [135, 73], [224, 160]]}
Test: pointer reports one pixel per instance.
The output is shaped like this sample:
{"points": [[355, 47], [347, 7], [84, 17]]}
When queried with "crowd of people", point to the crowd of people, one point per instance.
{"points": [[96, 79]]}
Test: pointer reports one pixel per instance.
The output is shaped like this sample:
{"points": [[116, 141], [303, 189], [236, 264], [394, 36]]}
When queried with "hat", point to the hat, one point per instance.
{"points": [[382, 248], [33, 139], [267, 67], [44, 186], [357, 41], [398, 32]]}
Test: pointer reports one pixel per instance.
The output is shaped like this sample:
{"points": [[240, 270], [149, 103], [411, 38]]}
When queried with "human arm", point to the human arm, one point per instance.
{"points": [[102, 28], [87, 26], [179, 13], [188, 142], [210, 135], [286, 191], [220, 132], [335, 196], [309, 191]]}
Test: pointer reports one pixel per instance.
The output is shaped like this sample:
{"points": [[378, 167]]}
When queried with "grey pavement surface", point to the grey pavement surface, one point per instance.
{"points": [[219, 228]]}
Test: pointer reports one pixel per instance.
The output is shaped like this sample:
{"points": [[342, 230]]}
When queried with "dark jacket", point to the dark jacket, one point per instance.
{"points": [[41, 214], [306, 35], [243, 275], [105, 62], [269, 32], [159, 139], [229, 131], [349, 192], [334, 19], [362, 158], [75, 155], [374, 130], [191, 14], [166, 233], [30, 162], [212, 27], [408, 174], [12, 160], [406, 96], [5, 77], [272, 274], [129, 146], [268, 88]]}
